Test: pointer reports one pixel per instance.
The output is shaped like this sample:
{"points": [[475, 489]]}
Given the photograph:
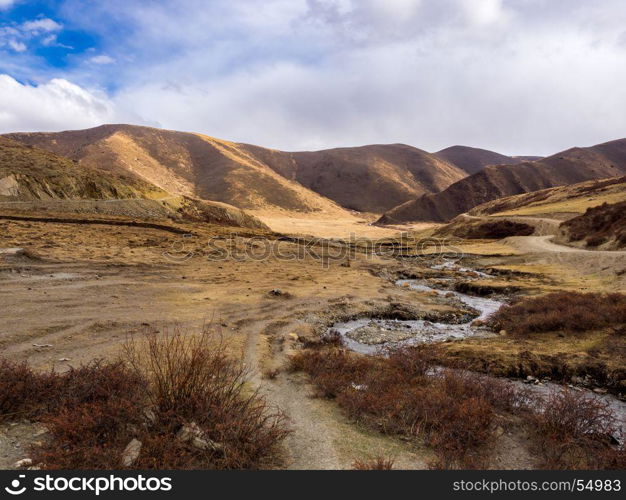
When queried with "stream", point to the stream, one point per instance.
{"points": [[368, 336]]}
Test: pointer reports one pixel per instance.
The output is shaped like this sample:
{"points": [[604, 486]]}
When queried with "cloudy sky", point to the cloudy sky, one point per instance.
{"points": [[515, 76]]}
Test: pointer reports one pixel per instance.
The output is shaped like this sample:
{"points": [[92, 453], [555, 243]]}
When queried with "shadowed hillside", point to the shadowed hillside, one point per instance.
{"points": [[472, 160], [497, 181], [603, 226]]}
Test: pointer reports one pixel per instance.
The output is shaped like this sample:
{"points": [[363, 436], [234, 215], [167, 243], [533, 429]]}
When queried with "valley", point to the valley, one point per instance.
{"points": [[122, 231]]}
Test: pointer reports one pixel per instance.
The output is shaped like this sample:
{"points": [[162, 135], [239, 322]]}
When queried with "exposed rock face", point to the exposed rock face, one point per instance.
{"points": [[9, 186]]}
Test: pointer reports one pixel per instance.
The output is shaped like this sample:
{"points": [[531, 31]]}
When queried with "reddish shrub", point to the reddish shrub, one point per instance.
{"points": [[379, 463], [400, 394], [573, 431], [562, 311], [168, 381]]}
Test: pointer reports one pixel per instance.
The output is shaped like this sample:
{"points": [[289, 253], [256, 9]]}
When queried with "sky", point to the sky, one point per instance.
{"points": [[514, 76]]}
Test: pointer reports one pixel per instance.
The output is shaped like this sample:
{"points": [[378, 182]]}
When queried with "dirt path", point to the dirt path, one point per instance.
{"points": [[310, 446], [322, 438], [545, 244]]}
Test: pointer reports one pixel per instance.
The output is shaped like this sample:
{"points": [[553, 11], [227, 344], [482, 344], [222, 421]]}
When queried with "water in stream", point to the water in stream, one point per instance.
{"points": [[420, 331], [415, 331]]}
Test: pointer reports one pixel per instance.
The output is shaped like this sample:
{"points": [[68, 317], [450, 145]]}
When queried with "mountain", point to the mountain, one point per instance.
{"points": [[497, 181], [369, 178], [472, 160], [183, 164], [33, 178]]}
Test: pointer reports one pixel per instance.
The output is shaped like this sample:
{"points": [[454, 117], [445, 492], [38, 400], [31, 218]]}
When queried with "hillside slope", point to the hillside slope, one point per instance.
{"points": [[603, 226], [370, 178], [184, 164], [497, 181], [558, 202], [374, 178], [38, 180]]}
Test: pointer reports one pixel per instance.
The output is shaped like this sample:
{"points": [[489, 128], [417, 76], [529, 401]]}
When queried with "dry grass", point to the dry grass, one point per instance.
{"points": [[166, 383], [379, 463]]}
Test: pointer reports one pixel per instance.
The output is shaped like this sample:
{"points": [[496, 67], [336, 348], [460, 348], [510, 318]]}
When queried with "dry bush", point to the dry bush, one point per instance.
{"points": [[574, 431], [569, 312], [166, 383], [403, 393], [379, 463], [193, 379], [455, 411], [29, 394], [598, 225], [24, 393], [495, 230]]}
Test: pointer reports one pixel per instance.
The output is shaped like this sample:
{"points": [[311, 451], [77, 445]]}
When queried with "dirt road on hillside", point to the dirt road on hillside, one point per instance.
{"points": [[545, 244]]}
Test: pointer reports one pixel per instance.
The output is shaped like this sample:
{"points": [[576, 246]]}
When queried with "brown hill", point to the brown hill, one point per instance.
{"points": [[560, 202], [472, 160], [184, 164], [497, 181], [603, 227], [39, 180], [370, 178]]}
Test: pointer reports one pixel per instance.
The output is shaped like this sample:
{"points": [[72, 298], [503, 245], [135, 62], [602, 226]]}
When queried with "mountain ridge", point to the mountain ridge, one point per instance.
{"points": [[497, 181], [370, 178]]}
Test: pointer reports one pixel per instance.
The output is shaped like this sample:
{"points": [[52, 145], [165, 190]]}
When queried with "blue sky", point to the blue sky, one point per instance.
{"points": [[516, 76]]}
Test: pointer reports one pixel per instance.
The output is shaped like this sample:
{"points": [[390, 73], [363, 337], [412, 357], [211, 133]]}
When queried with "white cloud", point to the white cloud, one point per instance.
{"points": [[41, 25], [17, 46], [102, 59], [532, 76], [15, 36], [55, 105], [431, 74], [5, 4]]}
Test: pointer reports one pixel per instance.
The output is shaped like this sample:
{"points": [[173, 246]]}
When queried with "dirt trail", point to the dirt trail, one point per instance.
{"points": [[310, 446], [545, 244], [322, 438]]}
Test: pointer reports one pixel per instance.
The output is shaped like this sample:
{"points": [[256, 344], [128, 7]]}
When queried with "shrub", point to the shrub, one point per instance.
{"points": [[598, 225], [167, 384], [455, 411], [574, 431], [404, 393], [562, 311], [495, 230]]}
